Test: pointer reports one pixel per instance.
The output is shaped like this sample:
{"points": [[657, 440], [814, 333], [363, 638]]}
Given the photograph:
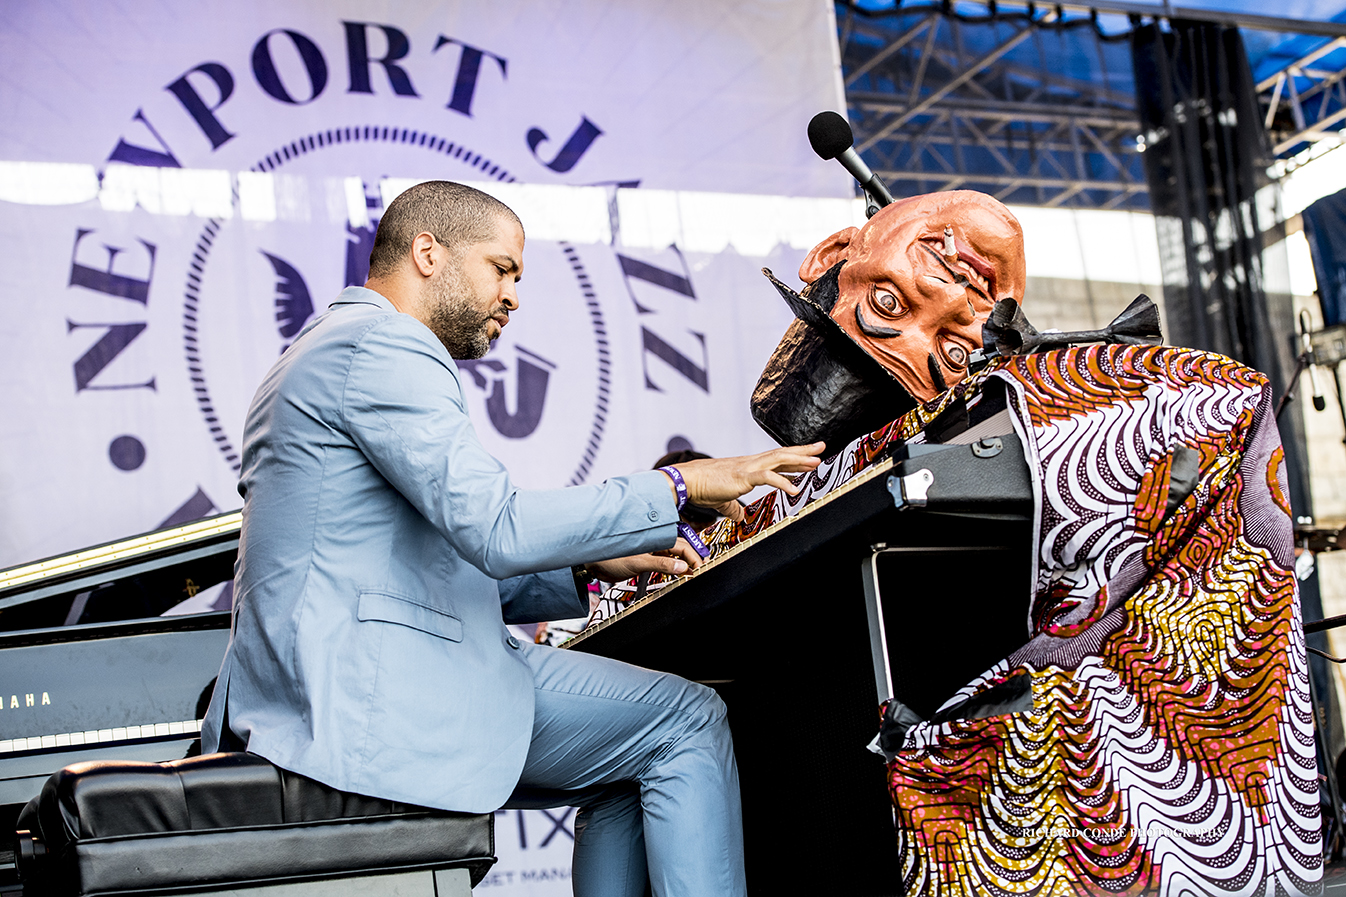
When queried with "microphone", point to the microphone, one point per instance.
{"points": [[831, 138]]}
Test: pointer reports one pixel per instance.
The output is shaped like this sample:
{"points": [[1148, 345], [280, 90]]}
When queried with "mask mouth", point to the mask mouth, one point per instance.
{"points": [[982, 274]]}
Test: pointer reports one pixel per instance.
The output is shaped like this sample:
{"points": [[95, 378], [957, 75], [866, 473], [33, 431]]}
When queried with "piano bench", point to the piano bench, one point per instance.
{"points": [[234, 823]]}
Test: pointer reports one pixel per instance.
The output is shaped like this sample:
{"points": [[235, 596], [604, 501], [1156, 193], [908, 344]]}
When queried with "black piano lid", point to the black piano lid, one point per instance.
{"points": [[136, 577], [89, 669]]}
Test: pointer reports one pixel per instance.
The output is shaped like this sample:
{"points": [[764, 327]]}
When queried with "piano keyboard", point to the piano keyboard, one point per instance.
{"points": [[101, 736], [878, 469]]}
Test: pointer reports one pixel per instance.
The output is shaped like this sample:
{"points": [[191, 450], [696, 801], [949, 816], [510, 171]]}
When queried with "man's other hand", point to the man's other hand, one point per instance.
{"points": [[718, 482], [673, 562]]}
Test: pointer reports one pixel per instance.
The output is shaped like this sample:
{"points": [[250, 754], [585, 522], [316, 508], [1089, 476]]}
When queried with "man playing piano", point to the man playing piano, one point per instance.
{"points": [[383, 550]]}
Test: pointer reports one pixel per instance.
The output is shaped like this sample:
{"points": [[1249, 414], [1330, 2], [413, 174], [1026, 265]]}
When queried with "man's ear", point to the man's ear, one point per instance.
{"points": [[826, 254], [423, 253]]}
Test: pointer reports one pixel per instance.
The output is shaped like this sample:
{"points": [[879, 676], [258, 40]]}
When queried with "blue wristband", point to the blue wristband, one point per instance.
{"points": [[693, 539], [679, 485]]}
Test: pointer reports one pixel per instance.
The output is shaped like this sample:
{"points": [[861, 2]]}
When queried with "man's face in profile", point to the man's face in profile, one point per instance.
{"points": [[915, 298], [474, 292]]}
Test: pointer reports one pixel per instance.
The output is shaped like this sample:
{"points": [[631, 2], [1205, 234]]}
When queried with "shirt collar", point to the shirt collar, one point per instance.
{"points": [[362, 296]]}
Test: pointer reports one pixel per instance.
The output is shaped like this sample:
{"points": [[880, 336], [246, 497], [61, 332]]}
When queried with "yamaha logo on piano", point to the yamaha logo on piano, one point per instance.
{"points": [[31, 699]]}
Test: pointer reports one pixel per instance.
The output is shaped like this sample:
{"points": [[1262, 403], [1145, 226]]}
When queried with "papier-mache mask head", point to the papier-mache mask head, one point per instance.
{"points": [[910, 290], [919, 281]]}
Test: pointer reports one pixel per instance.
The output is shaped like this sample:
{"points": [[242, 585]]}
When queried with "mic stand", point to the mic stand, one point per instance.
{"points": [[1308, 359], [871, 205]]}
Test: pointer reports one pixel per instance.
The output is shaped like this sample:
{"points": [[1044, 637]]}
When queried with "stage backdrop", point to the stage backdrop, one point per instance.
{"points": [[223, 168], [183, 185]]}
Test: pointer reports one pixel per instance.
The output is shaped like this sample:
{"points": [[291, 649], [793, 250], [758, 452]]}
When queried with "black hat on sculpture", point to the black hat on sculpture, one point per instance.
{"points": [[819, 385]]}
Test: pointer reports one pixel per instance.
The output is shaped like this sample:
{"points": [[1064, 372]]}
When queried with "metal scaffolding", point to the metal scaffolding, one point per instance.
{"points": [[1304, 102], [940, 100]]}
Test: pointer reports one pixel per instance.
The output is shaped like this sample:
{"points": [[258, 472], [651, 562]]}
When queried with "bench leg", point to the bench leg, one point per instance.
{"points": [[453, 883], [442, 883]]}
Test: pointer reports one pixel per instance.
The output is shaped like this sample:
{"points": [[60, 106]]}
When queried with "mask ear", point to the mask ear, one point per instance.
{"points": [[826, 254]]}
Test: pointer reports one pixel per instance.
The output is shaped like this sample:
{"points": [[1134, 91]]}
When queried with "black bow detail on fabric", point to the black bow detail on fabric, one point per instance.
{"points": [[1007, 331]]}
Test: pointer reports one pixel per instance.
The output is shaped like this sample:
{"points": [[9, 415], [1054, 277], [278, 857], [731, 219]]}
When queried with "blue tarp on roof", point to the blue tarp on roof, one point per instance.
{"points": [[1269, 52]]}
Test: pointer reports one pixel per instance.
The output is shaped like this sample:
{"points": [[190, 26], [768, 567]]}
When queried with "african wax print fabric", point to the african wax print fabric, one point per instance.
{"points": [[1169, 749]]}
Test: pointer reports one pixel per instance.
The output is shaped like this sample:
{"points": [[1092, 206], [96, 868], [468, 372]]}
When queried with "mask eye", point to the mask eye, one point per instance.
{"points": [[956, 354], [886, 301]]}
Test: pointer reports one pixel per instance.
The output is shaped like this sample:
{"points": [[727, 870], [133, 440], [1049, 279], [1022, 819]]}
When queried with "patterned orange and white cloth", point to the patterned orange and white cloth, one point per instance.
{"points": [[1170, 746]]}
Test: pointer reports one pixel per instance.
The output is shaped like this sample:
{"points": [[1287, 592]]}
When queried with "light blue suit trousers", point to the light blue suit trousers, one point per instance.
{"points": [[382, 552]]}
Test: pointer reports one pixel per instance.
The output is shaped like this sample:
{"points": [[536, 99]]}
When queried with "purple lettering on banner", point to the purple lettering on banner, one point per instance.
{"points": [[357, 51], [558, 825], [103, 352], [532, 373], [469, 69], [359, 244], [103, 280], [293, 304], [530, 397], [139, 155], [264, 68], [579, 142], [653, 344], [194, 508], [126, 453], [661, 277], [201, 113]]}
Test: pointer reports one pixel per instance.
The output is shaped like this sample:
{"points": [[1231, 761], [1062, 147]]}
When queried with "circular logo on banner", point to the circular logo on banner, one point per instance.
{"points": [[251, 287]]}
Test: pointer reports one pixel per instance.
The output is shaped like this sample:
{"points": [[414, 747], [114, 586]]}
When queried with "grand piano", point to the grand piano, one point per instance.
{"points": [[784, 628], [907, 581], [89, 668]]}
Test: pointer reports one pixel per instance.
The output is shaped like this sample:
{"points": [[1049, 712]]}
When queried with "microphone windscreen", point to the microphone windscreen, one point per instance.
{"points": [[830, 135]]}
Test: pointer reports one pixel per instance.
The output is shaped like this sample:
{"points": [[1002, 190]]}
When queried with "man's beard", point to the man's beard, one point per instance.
{"points": [[460, 327]]}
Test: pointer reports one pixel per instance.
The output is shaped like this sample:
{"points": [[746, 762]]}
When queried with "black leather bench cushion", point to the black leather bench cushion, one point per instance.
{"points": [[232, 819]]}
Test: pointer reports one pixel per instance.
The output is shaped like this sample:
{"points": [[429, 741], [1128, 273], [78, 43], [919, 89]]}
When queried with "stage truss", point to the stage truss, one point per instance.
{"points": [[940, 99]]}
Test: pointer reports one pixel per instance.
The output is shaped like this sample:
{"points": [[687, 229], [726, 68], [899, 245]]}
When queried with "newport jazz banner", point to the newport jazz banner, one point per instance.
{"points": [[182, 187], [180, 193]]}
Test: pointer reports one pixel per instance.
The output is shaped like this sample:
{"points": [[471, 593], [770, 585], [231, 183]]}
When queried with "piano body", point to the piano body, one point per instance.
{"points": [[89, 668], [936, 539]]}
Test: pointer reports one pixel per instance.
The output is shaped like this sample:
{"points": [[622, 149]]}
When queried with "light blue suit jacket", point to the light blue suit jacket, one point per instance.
{"points": [[382, 552]]}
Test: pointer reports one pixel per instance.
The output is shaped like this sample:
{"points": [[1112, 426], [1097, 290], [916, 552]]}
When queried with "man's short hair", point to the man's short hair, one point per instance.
{"points": [[456, 214]]}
